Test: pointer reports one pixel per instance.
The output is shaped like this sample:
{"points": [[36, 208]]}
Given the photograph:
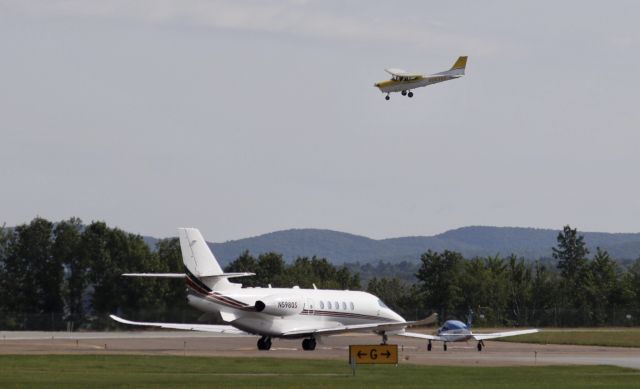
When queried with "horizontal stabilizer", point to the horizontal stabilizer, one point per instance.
{"points": [[182, 275], [160, 275]]}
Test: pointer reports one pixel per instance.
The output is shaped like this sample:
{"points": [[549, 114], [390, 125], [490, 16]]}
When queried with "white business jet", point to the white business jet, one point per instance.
{"points": [[273, 312], [403, 81]]}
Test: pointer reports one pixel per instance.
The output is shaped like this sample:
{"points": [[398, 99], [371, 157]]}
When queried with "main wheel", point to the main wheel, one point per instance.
{"points": [[410, 94], [445, 347], [429, 346], [387, 97], [479, 346], [264, 343], [404, 92]]}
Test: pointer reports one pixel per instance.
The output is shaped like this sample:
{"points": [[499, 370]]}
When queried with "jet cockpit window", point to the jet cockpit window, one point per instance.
{"points": [[380, 303]]}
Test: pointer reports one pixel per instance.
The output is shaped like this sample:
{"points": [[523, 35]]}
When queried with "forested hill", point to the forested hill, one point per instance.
{"points": [[340, 247]]}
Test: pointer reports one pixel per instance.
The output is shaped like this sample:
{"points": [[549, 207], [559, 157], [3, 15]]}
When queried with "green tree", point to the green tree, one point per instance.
{"points": [[66, 251], [439, 275], [571, 254], [271, 270]]}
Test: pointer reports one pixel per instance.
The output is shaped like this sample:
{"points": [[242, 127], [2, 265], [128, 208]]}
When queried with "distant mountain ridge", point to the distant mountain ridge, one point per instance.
{"points": [[340, 247]]}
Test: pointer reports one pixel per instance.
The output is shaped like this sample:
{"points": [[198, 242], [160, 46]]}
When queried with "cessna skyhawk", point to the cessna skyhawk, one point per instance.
{"points": [[403, 81]]}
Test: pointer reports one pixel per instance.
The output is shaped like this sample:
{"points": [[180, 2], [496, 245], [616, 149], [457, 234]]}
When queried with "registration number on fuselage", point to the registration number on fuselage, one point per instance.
{"points": [[288, 304]]}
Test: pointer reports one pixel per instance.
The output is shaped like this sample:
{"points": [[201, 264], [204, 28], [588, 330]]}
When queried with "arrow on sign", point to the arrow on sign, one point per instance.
{"points": [[387, 354], [361, 354]]}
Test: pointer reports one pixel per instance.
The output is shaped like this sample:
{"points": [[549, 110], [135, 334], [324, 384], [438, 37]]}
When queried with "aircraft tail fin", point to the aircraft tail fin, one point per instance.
{"points": [[470, 318], [458, 67], [200, 266]]}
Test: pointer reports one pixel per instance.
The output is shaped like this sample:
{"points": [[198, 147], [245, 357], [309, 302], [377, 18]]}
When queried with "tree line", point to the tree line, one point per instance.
{"points": [[68, 275]]}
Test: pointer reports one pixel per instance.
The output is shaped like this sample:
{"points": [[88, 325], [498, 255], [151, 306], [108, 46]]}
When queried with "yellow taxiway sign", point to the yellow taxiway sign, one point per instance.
{"points": [[378, 353]]}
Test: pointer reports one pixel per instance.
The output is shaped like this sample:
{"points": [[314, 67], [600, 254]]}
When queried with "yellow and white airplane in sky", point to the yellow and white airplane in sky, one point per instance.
{"points": [[403, 81]]}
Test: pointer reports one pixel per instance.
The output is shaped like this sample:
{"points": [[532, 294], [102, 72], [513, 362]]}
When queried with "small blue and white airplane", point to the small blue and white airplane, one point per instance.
{"points": [[457, 331]]}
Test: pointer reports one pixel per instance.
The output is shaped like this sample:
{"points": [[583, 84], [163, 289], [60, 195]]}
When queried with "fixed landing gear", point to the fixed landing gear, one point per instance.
{"points": [[429, 346], [480, 345], [445, 346], [387, 97], [309, 344], [264, 343]]}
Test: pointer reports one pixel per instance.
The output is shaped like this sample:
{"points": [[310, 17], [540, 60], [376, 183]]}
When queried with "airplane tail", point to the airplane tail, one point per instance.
{"points": [[458, 67], [470, 318], [201, 267]]}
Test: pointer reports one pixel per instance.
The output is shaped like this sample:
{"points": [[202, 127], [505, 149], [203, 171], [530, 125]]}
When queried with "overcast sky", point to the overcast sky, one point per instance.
{"points": [[242, 118]]}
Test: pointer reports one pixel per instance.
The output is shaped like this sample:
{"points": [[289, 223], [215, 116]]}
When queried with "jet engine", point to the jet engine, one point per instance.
{"points": [[280, 305]]}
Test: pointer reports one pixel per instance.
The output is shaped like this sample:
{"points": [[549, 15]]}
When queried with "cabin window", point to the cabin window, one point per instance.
{"points": [[380, 303], [344, 306], [321, 305], [329, 304], [351, 305], [337, 305]]}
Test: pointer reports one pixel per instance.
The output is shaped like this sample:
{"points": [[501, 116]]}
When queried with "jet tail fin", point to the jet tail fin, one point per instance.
{"points": [[201, 267]]}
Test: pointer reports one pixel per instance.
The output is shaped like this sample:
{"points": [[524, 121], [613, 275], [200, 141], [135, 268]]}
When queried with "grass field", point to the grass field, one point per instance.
{"points": [[610, 337], [93, 371]]}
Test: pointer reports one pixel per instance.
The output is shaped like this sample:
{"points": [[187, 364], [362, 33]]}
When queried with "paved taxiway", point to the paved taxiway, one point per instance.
{"points": [[335, 347]]}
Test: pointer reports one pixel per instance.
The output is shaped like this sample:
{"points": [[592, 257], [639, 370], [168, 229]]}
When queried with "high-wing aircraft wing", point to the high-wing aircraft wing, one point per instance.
{"points": [[402, 73], [503, 334], [220, 329]]}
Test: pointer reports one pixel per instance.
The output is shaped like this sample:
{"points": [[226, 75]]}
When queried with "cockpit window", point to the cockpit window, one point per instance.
{"points": [[380, 303]]}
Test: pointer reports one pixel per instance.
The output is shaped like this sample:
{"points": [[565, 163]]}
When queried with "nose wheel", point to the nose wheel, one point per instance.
{"points": [[264, 343], [387, 97], [309, 344]]}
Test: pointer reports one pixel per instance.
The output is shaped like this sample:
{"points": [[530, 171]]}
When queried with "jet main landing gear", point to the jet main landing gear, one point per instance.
{"points": [[445, 346], [480, 345], [264, 343], [429, 346], [410, 94], [387, 97], [309, 344]]}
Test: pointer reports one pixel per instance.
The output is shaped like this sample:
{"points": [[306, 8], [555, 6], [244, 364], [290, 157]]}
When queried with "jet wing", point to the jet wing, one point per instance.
{"points": [[390, 327], [496, 335], [419, 336], [338, 329], [220, 329]]}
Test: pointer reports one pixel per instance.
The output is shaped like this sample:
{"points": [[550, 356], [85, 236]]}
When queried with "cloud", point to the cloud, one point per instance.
{"points": [[316, 19]]}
